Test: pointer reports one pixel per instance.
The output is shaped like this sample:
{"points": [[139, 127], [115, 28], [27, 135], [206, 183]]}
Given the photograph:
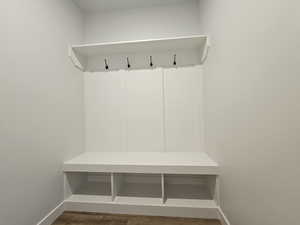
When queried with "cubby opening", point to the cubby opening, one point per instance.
{"points": [[138, 188], [188, 189], [89, 184]]}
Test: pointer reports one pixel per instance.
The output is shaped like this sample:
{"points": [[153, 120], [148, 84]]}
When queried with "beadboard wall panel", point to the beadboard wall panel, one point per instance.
{"points": [[144, 110]]}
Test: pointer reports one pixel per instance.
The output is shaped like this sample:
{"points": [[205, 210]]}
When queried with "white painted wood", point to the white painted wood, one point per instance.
{"points": [[205, 51], [193, 187], [53, 215], [77, 60], [184, 114], [141, 60], [116, 184], [144, 108], [67, 187], [99, 177], [113, 187], [164, 110], [143, 162], [123, 111], [163, 49], [72, 182], [203, 209], [164, 44], [140, 189], [104, 105], [216, 193], [104, 5], [87, 184], [163, 195]]}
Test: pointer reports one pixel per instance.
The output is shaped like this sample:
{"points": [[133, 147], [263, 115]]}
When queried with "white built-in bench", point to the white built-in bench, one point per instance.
{"points": [[156, 183]]}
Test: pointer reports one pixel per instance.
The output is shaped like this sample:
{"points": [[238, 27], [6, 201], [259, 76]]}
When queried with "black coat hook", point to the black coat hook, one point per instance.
{"points": [[151, 63], [174, 62], [106, 65], [128, 64]]}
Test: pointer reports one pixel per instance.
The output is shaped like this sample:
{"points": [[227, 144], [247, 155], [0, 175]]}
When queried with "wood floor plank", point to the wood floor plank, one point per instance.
{"points": [[74, 218]]}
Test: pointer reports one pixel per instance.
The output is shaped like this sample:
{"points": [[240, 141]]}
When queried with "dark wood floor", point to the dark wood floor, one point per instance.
{"points": [[72, 218]]}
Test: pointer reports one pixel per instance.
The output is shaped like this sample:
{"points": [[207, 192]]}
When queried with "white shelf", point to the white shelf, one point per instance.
{"points": [[147, 162], [166, 44], [80, 54]]}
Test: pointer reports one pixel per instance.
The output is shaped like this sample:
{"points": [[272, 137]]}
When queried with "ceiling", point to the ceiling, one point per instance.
{"points": [[107, 5]]}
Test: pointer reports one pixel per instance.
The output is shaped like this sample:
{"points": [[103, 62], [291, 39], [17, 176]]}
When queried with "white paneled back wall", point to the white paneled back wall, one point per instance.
{"points": [[183, 108], [144, 110]]}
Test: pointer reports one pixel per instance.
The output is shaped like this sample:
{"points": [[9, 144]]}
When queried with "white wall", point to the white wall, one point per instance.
{"points": [[252, 80], [143, 23], [41, 106]]}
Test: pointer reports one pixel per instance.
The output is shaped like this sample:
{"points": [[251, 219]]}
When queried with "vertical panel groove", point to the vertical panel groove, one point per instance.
{"points": [[164, 110]]}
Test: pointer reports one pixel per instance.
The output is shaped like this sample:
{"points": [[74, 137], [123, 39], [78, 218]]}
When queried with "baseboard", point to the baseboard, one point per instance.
{"points": [[57, 211], [147, 210], [53, 215], [222, 217]]}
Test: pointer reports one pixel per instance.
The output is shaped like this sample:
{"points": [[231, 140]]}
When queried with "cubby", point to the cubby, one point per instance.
{"points": [[188, 190], [90, 185], [138, 188]]}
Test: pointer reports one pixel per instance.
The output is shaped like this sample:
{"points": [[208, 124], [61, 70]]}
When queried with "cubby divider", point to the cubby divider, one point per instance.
{"points": [[115, 184], [163, 195]]}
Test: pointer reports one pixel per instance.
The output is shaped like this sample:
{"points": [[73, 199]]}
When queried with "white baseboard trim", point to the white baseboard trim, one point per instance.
{"points": [[148, 210], [53, 215], [58, 210], [222, 217]]}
